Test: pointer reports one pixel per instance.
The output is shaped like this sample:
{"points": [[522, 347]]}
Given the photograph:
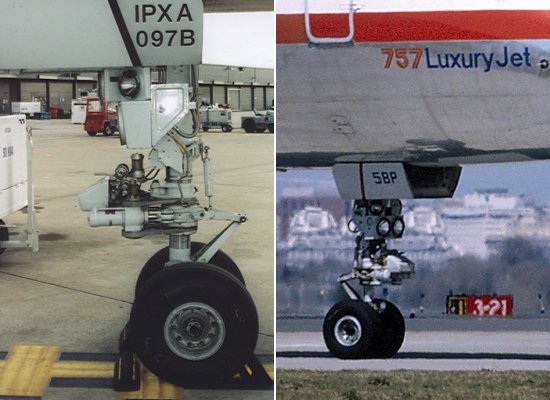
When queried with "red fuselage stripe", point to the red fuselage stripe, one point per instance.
{"points": [[420, 26]]}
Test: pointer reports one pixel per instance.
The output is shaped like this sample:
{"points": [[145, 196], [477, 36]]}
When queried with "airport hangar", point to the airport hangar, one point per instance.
{"points": [[243, 89]]}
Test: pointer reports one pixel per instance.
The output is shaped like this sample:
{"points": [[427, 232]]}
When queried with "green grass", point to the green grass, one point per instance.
{"points": [[412, 385]]}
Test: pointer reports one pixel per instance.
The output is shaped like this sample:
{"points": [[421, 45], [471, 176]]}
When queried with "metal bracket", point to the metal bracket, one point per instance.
{"points": [[208, 251], [222, 215]]}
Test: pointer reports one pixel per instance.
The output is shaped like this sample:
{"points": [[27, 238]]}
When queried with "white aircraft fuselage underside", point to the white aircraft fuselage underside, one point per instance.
{"points": [[436, 102], [341, 103], [90, 35]]}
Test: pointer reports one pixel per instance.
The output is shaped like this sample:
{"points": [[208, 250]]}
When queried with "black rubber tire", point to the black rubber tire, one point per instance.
{"points": [[202, 284], [249, 126], [108, 130], [224, 128], [91, 133], [271, 128], [392, 332], [229, 128], [157, 261], [205, 129], [369, 323], [4, 235]]}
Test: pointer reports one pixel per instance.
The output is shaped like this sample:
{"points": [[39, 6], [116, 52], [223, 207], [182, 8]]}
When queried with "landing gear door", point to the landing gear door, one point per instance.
{"points": [[372, 181], [362, 180]]}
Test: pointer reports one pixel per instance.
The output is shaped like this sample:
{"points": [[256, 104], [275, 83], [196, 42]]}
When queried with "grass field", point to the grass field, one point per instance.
{"points": [[412, 385]]}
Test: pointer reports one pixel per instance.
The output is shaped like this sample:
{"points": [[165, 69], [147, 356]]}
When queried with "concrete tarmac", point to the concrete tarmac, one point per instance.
{"points": [[77, 291], [428, 349]]}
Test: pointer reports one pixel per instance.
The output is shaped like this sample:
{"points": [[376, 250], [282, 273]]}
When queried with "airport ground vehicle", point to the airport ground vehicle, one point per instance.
{"points": [[395, 98], [16, 185], [216, 118], [259, 122], [193, 319], [27, 107], [100, 118]]}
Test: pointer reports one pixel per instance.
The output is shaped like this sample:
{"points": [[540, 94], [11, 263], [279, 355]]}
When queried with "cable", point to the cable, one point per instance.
{"points": [[153, 177], [66, 287]]}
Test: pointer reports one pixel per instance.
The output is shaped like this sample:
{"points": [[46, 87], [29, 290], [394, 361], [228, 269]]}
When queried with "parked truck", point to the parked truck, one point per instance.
{"points": [[259, 122], [100, 117], [216, 118]]}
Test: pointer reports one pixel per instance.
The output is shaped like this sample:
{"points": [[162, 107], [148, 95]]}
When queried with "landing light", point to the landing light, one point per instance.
{"points": [[129, 83], [383, 227], [398, 227]]}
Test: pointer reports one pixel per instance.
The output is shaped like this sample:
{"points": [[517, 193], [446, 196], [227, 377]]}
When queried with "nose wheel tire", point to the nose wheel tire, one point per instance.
{"points": [[392, 332], [350, 329], [160, 258], [194, 323]]}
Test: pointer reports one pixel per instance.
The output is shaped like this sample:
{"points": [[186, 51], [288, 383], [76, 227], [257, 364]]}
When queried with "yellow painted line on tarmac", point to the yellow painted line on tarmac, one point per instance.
{"points": [[152, 388], [83, 369], [28, 370], [78, 369]]}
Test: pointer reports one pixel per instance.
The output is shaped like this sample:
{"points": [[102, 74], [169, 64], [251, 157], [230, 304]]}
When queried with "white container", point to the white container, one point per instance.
{"points": [[26, 107], [78, 111], [13, 164]]}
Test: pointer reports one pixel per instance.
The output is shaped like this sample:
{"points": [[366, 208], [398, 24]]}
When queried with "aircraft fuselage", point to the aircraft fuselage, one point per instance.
{"points": [[437, 87]]}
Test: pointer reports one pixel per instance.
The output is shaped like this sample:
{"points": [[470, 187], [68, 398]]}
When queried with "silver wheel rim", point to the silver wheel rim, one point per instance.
{"points": [[194, 331], [347, 331]]}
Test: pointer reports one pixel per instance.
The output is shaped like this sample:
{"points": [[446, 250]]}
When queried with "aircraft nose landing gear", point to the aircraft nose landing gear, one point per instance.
{"points": [[364, 327], [193, 320]]}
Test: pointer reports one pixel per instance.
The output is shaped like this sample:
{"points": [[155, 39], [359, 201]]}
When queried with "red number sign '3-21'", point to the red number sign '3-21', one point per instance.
{"points": [[489, 305]]}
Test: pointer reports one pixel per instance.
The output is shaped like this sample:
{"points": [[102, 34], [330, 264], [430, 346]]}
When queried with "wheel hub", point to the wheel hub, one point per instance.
{"points": [[347, 331], [194, 331]]}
